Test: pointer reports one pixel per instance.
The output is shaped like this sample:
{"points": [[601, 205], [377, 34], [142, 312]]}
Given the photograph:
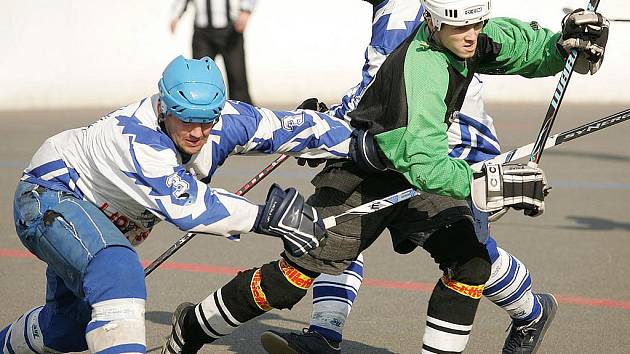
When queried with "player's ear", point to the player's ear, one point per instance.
{"points": [[427, 17], [161, 111]]}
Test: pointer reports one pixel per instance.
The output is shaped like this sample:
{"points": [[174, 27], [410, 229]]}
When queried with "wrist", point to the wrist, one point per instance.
{"points": [[259, 214]]}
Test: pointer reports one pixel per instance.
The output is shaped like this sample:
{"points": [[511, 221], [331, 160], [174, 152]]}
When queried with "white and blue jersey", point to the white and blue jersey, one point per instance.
{"points": [[471, 135], [129, 168]]}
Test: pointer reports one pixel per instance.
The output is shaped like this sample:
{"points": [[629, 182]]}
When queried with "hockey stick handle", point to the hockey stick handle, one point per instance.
{"points": [[369, 207], [552, 111], [188, 236], [568, 10], [511, 155]]}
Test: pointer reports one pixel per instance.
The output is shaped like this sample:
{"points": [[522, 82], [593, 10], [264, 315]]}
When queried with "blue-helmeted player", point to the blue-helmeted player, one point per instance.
{"points": [[90, 194]]}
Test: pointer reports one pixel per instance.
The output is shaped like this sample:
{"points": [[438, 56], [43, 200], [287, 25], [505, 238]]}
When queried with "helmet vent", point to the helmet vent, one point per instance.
{"points": [[450, 13]]}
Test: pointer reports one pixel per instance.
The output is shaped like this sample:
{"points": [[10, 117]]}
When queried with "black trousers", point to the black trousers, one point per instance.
{"points": [[440, 225], [229, 44]]}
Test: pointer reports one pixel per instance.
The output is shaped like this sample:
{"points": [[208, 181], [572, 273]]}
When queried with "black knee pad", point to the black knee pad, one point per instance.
{"points": [[460, 254], [271, 287], [475, 271], [237, 296], [281, 292]]}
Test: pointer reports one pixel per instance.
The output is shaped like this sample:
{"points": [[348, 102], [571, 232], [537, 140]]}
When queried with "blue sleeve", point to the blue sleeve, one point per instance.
{"points": [[246, 129]]}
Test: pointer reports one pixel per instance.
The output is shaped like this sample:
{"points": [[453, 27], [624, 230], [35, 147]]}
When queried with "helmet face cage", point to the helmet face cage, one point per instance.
{"points": [[457, 12], [192, 90]]}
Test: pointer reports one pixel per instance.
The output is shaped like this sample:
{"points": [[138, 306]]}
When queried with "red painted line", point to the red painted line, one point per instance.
{"points": [[584, 301], [5, 252], [400, 285], [375, 283]]}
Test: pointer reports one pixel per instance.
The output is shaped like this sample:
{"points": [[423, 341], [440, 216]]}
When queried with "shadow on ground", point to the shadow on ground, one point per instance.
{"points": [[597, 224], [241, 340]]}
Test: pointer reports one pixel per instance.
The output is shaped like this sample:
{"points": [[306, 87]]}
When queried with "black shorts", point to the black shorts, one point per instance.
{"points": [[339, 188]]}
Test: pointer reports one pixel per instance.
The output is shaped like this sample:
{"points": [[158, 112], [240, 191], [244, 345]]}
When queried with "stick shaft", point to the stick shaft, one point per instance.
{"points": [[559, 138], [511, 155], [558, 95]]}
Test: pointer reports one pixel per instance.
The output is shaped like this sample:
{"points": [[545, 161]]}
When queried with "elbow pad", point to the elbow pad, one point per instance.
{"points": [[366, 154]]}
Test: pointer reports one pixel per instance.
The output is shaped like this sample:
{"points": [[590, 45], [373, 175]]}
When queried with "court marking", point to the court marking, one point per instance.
{"points": [[374, 283]]}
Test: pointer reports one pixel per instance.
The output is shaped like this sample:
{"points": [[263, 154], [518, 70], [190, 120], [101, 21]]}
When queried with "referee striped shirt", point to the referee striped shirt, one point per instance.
{"points": [[214, 13]]}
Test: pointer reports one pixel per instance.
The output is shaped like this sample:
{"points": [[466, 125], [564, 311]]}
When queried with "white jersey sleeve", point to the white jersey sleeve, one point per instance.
{"points": [[128, 167], [246, 129]]}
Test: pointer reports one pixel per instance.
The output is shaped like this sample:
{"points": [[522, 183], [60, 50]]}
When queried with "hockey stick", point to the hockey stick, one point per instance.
{"points": [[552, 111], [568, 10], [559, 138], [376, 205], [244, 189], [511, 155]]}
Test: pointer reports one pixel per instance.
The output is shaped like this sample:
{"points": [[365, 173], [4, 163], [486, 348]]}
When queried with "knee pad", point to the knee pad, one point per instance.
{"points": [[460, 255], [114, 273], [284, 284], [117, 326], [274, 285], [468, 279]]}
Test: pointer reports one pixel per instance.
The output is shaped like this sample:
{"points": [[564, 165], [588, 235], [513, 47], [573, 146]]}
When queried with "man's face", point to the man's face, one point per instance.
{"points": [[189, 137], [460, 40]]}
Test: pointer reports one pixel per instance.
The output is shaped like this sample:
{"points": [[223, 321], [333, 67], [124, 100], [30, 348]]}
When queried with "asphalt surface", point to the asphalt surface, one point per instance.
{"points": [[579, 249]]}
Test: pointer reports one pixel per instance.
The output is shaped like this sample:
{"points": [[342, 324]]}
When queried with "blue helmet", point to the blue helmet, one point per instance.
{"points": [[192, 90]]}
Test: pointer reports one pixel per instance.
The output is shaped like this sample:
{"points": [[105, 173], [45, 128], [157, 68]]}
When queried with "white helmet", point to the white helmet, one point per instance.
{"points": [[457, 12]]}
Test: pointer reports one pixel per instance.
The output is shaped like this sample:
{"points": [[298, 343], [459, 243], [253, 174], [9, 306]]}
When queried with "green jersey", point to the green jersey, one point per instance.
{"points": [[420, 87]]}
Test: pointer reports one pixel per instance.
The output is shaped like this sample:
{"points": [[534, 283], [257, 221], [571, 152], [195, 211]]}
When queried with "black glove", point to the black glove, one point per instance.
{"points": [[587, 32], [314, 105], [286, 215], [516, 186], [311, 162], [365, 153]]}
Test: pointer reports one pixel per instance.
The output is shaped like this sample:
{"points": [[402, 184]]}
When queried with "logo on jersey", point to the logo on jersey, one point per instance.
{"points": [[289, 123], [178, 186]]}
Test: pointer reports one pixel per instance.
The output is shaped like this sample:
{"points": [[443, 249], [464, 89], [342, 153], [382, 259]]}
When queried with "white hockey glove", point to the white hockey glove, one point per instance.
{"points": [[286, 215], [587, 32], [499, 187]]}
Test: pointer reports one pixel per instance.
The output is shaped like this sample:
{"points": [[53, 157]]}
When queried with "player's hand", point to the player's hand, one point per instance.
{"points": [[587, 32], [314, 105], [286, 215], [241, 22], [517, 186]]}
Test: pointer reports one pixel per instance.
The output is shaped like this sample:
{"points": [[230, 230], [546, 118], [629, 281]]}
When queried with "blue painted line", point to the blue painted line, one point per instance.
{"points": [[567, 184]]}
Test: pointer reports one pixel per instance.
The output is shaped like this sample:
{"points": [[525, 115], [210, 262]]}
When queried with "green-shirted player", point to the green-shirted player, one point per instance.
{"points": [[401, 141]]}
